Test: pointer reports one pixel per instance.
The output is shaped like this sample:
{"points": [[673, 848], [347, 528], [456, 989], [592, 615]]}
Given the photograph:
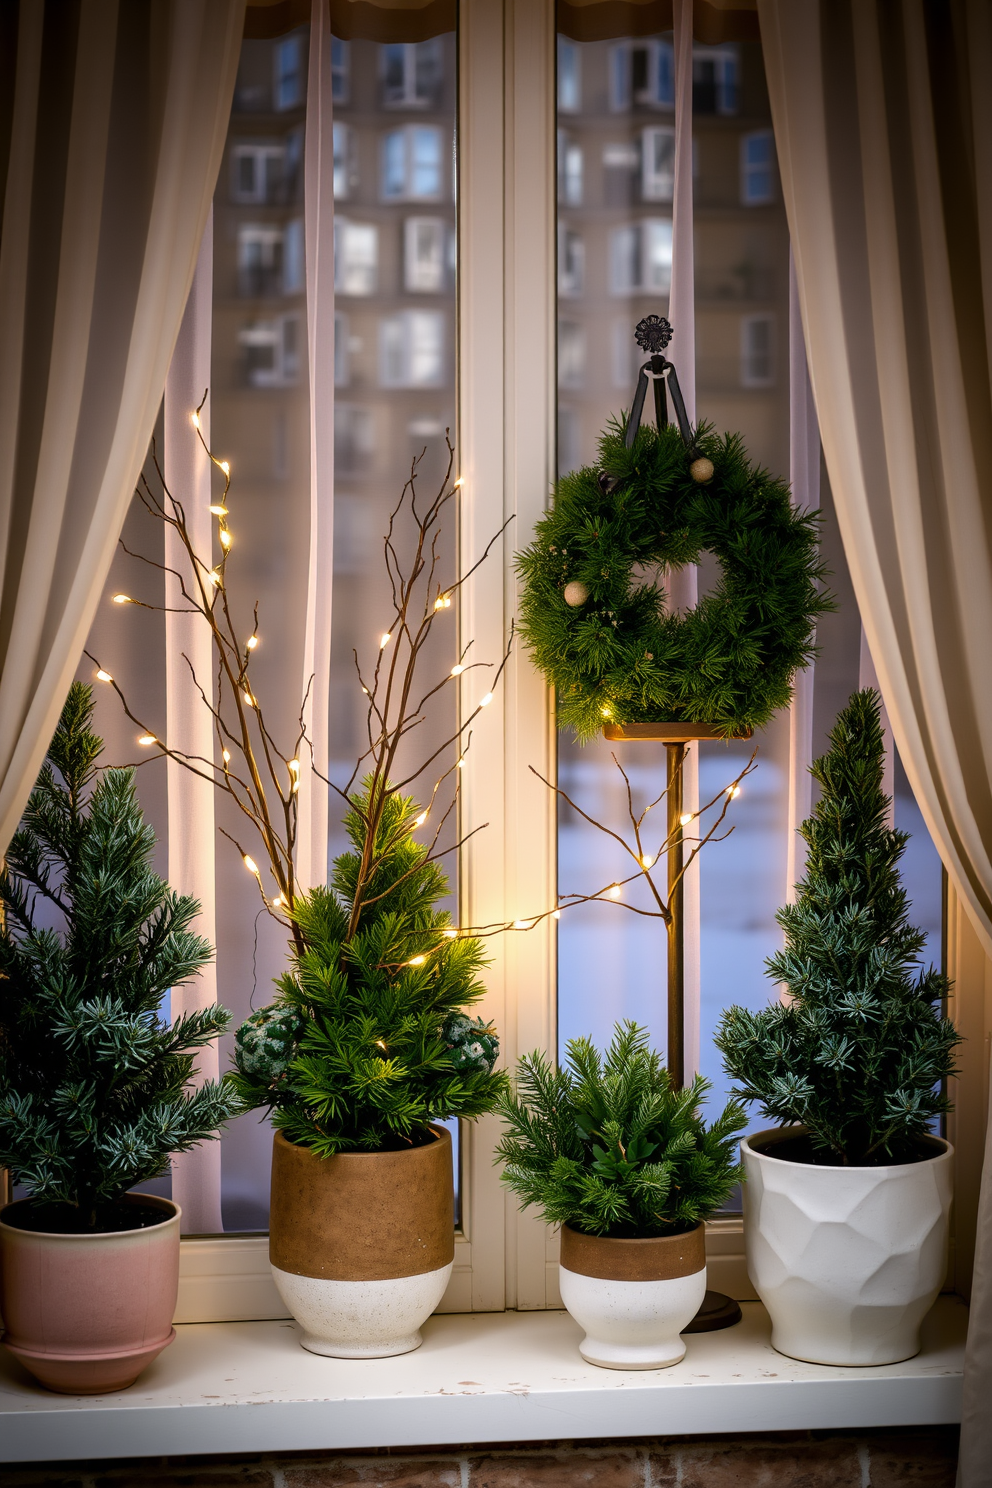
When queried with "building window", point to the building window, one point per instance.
{"points": [[570, 168], [340, 70], [569, 77], [411, 74], [758, 351], [641, 257], [642, 72], [342, 350], [356, 257], [271, 351], [571, 354], [411, 163], [411, 349], [259, 259], [353, 438], [294, 264], [571, 262], [758, 168], [344, 175], [714, 80], [292, 167], [289, 82], [256, 172], [658, 163], [424, 257]]}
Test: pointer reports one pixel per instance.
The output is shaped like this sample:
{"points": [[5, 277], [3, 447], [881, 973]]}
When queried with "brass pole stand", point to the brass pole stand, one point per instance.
{"points": [[718, 1310]]}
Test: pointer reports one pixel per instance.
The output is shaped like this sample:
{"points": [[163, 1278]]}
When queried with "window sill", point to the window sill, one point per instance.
{"points": [[483, 1377]]}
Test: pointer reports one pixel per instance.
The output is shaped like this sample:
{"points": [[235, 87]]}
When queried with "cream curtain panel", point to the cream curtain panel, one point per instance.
{"points": [[883, 123], [113, 116]]}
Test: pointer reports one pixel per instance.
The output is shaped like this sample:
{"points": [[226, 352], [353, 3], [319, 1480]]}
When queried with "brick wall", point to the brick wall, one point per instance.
{"points": [[921, 1458]]}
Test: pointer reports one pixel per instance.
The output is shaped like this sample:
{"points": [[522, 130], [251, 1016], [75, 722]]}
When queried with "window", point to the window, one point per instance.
{"points": [[294, 267], [411, 74], [412, 163], [758, 168], [758, 351], [569, 171], [272, 351], [714, 80], [259, 259], [344, 173], [641, 72], [424, 267], [641, 257], [256, 172], [569, 77], [289, 82], [354, 430], [340, 70], [292, 166], [342, 349], [571, 354], [658, 163], [356, 257], [571, 262], [411, 349]]}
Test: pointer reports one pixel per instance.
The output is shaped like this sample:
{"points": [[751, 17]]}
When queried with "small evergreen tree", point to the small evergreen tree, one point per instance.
{"points": [[606, 1146], [94, 1093], [367, 1042], [858, 1052]]}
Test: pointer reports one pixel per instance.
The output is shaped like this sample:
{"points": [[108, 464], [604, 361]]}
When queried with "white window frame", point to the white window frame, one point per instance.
{"points": [[658, 183], [569, 76], [726, 63], [261, 153], [750, 195], [425, 274], [660, 90], [407, 325], [282, 99], [344, 160], [340, 70], [408, 133], [571, 169], [632, 253], [360, 278], [274, 331], [409, 94]]}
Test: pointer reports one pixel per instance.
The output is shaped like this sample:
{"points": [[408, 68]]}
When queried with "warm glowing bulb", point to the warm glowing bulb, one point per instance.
{"points": [[485, 701], [384, 640], [456, 671], [251, 642], [647, 861], [439, 603], [123, 599], [451, 934], [615, 891], [733, 791], [249, 699], [225, 539], [214, 578], [227, 756], [366, 691], [380, 1044], [461, 763], [685, 818], [146, 739], [523, 924], [458, 482], [277, 901], [416, 961], [556, 914], [606, 712], [251, 865], [218, 511], [421, 819], [194, 419], [103, 676], [294, 765], [224, 466]]}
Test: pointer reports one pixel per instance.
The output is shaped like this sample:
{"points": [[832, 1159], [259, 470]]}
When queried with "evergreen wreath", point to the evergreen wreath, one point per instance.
{"points": [[599, 634]]}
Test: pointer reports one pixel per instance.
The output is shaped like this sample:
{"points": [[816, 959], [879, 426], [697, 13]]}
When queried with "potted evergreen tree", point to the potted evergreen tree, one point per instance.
{"points": [[846, 1204], [366, 1048], [607, 1149], [95, 1085]]}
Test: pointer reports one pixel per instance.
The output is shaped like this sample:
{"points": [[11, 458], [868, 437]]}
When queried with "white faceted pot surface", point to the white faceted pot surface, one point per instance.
{"points": [[362, 1319], [632, 1297], [848, 1261]]}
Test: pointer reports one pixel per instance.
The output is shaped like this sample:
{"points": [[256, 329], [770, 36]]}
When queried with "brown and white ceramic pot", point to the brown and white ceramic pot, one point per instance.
{"points": [[633, 1297], [87, 1313], [362, 1244]]}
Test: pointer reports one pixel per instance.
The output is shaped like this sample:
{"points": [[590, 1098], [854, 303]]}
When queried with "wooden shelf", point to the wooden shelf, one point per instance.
{"points": [[669, 733]]}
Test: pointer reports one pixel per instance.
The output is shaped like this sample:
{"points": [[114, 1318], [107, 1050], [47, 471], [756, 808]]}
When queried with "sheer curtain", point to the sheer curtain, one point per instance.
{"points": [[114, 127], [883, 122]]}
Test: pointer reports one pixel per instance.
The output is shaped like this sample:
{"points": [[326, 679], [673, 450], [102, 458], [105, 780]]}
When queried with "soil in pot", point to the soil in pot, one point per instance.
{"points": [[800, 1149], [66, 1219], [87, 1311]]}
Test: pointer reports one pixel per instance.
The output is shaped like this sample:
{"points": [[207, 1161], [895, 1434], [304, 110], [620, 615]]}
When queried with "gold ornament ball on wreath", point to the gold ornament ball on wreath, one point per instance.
{"points": [[701, 470], [576, 593]]}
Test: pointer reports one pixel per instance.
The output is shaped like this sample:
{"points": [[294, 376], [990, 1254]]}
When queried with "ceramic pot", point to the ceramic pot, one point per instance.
{"points": [[362, 1244], [848, 1261], [87, 1313], [633, 1297]]}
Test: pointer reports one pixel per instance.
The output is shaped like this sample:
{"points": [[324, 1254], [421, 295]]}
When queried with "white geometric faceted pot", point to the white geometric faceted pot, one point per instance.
{"points": [[848, 1261], [633, 1297], [362, 1244]]}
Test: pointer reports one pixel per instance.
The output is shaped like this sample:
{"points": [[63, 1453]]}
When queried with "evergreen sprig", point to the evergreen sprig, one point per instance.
{"points": [[367, 1042], [95, 1087], [859, 1051], [606, 1146], [730, 661]]}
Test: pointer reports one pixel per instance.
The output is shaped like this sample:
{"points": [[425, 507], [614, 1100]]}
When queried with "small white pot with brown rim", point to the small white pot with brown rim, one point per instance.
{"points": [[633, 1297], [362, 1244], [848, 1261]]}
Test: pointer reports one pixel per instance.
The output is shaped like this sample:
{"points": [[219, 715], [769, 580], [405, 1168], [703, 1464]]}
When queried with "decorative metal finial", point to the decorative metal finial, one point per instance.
{"points": [[653, 333]]}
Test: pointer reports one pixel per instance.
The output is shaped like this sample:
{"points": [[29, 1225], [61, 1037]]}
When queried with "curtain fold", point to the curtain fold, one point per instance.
{"points": [[883, 124], [117, 124]]}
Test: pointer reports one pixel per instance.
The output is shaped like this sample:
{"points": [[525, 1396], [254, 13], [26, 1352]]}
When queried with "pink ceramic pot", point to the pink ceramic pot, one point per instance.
{"points": [[86, 1313]]}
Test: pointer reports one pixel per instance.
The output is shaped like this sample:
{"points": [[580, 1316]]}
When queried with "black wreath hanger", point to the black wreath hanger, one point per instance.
{"points": [[652, 335]]}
